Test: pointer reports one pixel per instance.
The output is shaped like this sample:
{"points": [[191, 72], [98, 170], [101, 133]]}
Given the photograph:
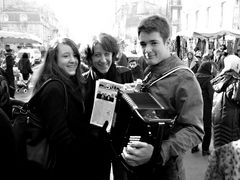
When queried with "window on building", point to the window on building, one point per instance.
{"points": [[174, 15], [196, 19], [223, 14], [174, 29], [175, 2], [23, 17], [34, 17], [5, 17], [13, 17], [208, 16]]}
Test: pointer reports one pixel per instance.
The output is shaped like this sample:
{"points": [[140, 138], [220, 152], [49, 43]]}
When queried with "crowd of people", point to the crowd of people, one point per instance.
{"points": [[200, 91], [218, 76]]}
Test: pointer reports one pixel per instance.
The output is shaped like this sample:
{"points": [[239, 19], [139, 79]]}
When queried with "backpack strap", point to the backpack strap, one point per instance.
{"points": [[170, 72], [44, 85]]}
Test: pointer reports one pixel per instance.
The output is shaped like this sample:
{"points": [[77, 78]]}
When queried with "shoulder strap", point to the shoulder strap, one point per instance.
{"points": [[170, 72], [44, 85], [122, 69]]}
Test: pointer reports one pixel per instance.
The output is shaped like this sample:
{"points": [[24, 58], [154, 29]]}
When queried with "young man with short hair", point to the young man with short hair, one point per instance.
{"points": [[179, 93]]}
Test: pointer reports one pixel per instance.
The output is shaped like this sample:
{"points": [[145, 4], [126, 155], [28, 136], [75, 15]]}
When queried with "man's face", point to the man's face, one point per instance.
{"points": [[132, 64], [153, 47]]}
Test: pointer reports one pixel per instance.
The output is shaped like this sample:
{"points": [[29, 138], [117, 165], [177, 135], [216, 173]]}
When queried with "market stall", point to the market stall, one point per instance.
{"points": [[231, 38], [10, 37]]}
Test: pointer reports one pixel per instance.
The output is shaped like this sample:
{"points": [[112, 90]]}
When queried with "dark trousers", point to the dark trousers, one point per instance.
{"points": [[25, 76], [11, 91], [119, 172], [206, 138]]}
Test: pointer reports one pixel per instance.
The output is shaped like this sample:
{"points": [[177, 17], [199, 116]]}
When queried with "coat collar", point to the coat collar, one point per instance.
{"points": [[163, 66]]}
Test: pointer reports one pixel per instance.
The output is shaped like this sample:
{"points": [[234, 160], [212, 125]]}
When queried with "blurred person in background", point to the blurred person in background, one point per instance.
{"points": [[196, 64], [24, 66], [217, 54], [136, 69], [190, 60], [9, 58], [101, 54], [220, 62], [204, 75], [223, 163], [226, 100], [122, 59], [211, 54]]}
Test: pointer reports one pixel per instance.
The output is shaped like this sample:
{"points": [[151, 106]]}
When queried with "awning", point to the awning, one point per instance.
{"points": [[18, 37], [207, 34], [217, 34]]}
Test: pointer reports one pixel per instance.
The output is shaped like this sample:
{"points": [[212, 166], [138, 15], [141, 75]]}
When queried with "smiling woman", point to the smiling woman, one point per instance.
{"points": [[65, 126], [67, 60]]}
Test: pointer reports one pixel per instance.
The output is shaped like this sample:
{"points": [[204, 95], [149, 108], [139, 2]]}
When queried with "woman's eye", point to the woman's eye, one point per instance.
{"points": [[107, 54], [97, 55], [65, 56]]}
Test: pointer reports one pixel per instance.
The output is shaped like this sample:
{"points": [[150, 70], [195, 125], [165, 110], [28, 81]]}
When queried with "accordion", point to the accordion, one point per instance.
{"points": [[139, 117]]}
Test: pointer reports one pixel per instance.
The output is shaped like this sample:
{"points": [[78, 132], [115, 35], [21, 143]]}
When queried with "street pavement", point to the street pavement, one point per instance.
{"points": [[195, 165]]}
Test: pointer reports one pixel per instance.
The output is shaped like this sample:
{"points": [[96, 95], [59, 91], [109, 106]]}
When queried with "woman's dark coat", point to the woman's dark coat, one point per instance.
{"points": [[24, 66], [101, 153], [9, 73], [204, 76], [8, 147], [226, 108], [66, 130]]}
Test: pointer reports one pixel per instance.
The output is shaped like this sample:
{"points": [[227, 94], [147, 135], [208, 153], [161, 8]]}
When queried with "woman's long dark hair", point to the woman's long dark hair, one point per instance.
{"points": [[50, 68]]}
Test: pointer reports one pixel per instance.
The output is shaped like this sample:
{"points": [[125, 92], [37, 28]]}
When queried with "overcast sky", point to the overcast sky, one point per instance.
{"points": [[83, 17]]}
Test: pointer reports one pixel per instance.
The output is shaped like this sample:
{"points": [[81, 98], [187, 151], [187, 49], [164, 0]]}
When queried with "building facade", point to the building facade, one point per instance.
{"points": [[209, 16], [23, 16], [129, 13]]}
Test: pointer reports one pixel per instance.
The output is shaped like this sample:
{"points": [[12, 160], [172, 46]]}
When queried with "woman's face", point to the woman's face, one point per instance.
{"points": [[67, 60], [101, 59]]}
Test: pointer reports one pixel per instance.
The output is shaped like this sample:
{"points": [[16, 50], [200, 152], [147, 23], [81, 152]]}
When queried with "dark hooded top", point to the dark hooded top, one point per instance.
{"points": [[204, 76]]}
